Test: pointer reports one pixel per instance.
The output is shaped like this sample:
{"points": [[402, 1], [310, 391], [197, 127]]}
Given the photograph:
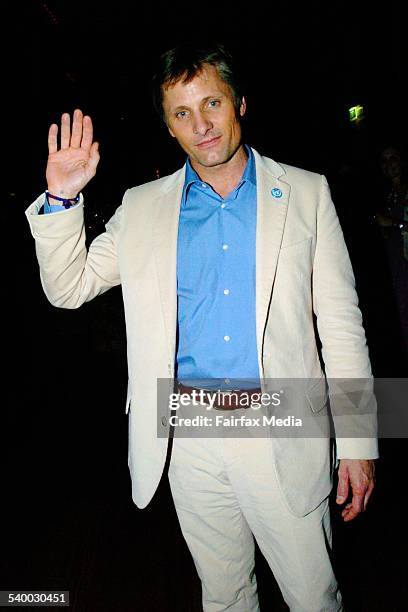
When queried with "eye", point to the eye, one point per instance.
{"points": [[181, 114], [214, 103]]}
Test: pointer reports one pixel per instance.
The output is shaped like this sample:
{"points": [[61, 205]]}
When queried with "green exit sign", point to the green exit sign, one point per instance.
{"points": [[356, 113]]}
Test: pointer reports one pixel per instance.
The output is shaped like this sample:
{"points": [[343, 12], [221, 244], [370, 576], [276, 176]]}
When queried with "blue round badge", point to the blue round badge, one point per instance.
{"points": [[276, 193]]}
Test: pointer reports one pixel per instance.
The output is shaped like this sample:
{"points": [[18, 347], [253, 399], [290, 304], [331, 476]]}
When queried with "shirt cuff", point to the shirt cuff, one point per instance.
{"points": [[50, 208]]}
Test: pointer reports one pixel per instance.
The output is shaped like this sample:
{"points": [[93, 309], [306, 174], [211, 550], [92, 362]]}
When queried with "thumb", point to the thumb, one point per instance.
{"points": [[94, 156], [342, 488]]}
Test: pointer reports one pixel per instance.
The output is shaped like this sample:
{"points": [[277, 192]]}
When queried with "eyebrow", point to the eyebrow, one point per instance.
{"points": [[184, 106]]}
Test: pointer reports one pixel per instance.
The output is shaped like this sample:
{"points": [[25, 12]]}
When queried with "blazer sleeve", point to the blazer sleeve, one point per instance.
{"points": [[341, 331], [70, 274]]}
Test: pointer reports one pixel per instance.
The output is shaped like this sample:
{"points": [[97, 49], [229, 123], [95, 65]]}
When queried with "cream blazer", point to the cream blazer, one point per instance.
{"points": [[302, 267]]}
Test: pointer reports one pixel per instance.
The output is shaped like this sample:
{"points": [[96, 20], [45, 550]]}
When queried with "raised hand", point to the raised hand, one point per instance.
{"points": [[71, 167]]}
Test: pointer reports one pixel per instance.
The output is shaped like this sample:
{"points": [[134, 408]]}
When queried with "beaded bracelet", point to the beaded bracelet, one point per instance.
{"points": [[66, 202]]}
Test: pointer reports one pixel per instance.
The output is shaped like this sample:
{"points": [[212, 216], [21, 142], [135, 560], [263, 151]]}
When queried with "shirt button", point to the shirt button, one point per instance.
{"points": [[164, 421], [226, 291], [222, 205], [226, 338], [203, 185], [225, 247], [227, 380]]}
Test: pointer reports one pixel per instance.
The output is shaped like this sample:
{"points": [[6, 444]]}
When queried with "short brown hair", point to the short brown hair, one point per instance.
{"points": [[187, 60]]}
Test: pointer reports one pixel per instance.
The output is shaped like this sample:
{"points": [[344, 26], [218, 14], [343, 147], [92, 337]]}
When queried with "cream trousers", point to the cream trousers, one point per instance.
{"points": [[226, 493]]}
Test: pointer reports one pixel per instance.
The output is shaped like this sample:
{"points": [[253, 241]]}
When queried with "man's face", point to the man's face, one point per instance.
{"points": [[201, 116]]}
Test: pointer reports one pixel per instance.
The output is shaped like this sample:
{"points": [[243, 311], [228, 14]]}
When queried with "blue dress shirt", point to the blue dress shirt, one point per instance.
{"points": [[50, 208], [216, 263]]}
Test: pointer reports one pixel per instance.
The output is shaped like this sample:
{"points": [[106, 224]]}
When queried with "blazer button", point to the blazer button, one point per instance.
{"points": [[164, 421]]}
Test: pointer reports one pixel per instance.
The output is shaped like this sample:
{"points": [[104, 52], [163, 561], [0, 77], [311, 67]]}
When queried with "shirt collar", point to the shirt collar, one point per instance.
{"points": [[248, 175]]}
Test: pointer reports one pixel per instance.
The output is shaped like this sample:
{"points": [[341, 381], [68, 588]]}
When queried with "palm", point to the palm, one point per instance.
{"points": [[71, 167]]}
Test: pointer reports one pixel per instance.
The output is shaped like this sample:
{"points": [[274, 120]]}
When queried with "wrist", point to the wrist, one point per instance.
{"points": [[56, 200], [60, 193]]}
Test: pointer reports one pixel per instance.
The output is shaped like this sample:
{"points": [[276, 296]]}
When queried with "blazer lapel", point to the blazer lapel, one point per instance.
{"points": [[272, 206], [165, 248]]}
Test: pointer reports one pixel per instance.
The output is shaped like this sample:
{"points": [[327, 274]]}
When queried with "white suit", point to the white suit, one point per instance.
{"points": [[302, 267]]}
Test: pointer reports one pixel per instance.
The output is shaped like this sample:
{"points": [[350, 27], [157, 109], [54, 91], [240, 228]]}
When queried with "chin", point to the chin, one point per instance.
{"points": [[213, 159]]}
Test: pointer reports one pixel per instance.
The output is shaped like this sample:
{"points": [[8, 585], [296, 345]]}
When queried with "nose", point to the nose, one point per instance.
{"points": [[201, 124]]}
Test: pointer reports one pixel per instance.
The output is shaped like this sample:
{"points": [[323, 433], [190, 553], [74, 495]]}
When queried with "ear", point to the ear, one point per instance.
{"points": [[242, 108]]}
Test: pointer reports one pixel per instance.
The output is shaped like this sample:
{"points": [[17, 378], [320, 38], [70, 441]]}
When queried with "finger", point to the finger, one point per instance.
{"points": [[87, 133], [65, 131], [349, 513], [358, 502], [52, 139], [346, 510], [94, 157], [76, 129]]}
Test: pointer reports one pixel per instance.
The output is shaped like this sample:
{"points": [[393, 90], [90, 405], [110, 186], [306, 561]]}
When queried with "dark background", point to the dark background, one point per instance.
{"points": [[68, 519]]}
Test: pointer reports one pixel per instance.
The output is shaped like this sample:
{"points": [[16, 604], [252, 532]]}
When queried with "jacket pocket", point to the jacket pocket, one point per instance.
{"points": [[317, 395], [297, 246]]}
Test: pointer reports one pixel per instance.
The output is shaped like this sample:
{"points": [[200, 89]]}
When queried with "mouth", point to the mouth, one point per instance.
{"points": [[208, 143]]}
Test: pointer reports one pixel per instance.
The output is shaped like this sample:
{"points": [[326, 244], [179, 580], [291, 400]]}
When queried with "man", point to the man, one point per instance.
{"points": [[235, 252]]}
